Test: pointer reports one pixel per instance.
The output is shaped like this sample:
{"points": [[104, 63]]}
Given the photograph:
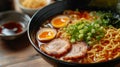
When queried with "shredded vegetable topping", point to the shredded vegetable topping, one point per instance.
{"points": [[90, 31]]}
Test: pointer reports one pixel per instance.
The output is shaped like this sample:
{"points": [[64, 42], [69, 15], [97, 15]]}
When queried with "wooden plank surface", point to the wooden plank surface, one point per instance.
{"points": [[36, 63], [20, 53]]}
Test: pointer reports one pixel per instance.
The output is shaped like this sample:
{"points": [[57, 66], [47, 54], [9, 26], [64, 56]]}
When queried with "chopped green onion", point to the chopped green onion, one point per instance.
{"points": [[72, 40]]}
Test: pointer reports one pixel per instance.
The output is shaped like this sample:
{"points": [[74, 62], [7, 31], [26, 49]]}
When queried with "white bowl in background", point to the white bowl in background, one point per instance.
{"points": [[29, 11]]}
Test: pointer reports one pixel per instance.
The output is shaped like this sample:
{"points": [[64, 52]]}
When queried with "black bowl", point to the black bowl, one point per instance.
{"points": [[56, 8]]}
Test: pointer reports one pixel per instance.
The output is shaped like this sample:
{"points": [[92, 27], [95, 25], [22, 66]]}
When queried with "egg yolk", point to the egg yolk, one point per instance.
{"points": [[60, 22], [46, 34]]}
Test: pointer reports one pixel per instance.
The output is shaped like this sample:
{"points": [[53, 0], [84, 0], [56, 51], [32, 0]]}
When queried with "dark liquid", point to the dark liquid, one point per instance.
{"points": [[11, 28]]}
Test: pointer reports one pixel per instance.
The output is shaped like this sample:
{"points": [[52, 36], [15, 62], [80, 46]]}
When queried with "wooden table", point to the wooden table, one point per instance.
{"points": [[20, 53]]}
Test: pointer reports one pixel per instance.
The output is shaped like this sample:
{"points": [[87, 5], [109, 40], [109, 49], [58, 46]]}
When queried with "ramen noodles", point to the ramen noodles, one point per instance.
{"points": [[81, 36]]}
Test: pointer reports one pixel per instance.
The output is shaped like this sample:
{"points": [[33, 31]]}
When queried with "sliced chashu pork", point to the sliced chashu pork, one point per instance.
{"points": [[78, 50], [57, 47]]}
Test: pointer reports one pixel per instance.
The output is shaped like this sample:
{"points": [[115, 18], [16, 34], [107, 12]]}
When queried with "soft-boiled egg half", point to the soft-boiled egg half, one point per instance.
{"points": [[46, 34], [60, 21]]}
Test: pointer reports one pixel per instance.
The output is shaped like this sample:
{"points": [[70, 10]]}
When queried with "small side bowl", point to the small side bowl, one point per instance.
{"points": [[29, 11], [17, 17]]}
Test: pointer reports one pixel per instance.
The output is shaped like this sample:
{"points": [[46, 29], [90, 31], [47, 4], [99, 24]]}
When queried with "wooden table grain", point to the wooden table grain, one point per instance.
{"points": [[20, 53]]}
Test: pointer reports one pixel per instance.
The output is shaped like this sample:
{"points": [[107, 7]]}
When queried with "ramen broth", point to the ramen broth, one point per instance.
{"points": [[81, 36]]}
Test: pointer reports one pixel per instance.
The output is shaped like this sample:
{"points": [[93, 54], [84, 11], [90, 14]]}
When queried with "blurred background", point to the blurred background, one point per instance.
{"points": [[6, 5]]}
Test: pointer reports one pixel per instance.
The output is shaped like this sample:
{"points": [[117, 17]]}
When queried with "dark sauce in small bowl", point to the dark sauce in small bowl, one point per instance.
{"points": [[11, 28]]}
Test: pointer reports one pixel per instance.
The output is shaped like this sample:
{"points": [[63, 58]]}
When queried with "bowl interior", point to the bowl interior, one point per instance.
{"points": [[54, 9], [13, 16]]}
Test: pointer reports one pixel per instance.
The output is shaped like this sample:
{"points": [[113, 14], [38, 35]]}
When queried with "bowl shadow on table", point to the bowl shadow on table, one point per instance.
{"points": [[18, 44]]}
